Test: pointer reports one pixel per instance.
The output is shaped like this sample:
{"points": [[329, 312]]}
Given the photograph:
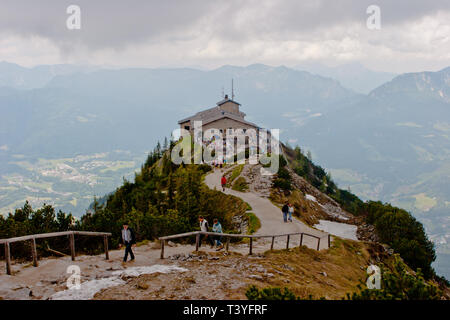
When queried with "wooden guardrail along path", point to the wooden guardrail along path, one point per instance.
{"points": [[33, 238], [228, 236]]}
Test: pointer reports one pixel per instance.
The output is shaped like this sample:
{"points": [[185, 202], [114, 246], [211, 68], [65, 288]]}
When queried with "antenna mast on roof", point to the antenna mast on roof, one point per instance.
{"points": [[232, 89], [223, 92]]}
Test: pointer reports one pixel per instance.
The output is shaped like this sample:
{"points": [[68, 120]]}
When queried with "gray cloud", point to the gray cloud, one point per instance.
{"points": [[104, 23], [115, 24], [213, 32]]}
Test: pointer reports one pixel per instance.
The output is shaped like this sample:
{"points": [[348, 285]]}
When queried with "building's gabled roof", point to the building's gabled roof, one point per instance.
{"points": [[230, 116], [215, 113], [200, 115], [225, 100]]}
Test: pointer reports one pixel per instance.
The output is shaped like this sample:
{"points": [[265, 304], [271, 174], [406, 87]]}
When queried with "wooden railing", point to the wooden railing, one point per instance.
{"points": [[33, 238], [228, 236]]}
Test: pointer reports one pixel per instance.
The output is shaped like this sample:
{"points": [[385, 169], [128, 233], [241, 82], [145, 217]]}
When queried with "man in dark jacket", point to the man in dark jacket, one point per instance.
{"points": [[128, 239], [285, 211]]}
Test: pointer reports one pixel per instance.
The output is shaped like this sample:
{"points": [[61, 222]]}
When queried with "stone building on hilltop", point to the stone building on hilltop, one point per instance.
{"points": [[224, 116]]}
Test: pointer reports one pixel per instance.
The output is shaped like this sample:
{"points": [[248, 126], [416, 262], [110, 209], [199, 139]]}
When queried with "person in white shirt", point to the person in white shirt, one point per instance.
{"points": [[291, 211], [204, 227]]}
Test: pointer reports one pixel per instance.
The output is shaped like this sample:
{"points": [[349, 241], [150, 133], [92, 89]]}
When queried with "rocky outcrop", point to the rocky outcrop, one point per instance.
{"points": [[366, 232], [258, 183]]}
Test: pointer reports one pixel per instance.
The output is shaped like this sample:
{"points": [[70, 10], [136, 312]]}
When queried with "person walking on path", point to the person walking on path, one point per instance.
{"points": [[291, 211], [204, 227], [217, 227], [285, 211], [223, 182], [128, 239]]}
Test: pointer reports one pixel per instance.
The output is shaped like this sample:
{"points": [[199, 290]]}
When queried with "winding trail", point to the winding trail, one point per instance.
{"points": [[270, 217]]}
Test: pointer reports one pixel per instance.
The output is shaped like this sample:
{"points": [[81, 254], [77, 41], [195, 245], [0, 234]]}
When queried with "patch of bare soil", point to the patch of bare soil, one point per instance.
{"points": [[210, 276]]}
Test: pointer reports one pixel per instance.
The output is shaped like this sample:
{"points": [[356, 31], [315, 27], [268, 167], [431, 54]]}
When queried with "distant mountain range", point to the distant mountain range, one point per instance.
{"points": [[390, 144], [17, 77], [351, 75], [132, 108]]}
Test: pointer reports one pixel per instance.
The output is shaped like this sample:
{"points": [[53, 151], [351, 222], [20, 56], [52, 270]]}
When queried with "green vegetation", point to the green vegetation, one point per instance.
{"points": [[240, 185], [253, 222], [399, 284], [399, 229], [283, 180], [25, 221], [234, 174], [253, 293]]}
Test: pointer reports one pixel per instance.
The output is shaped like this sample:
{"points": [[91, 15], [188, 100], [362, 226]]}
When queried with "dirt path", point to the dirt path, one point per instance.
{"points": [[270, 216]]}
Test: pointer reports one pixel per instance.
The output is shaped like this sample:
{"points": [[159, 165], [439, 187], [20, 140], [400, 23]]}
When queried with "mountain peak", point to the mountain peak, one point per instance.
{"points": [[427, 83]]}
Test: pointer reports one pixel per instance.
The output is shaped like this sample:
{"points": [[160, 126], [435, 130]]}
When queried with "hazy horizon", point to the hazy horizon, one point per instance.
{"points": [[298, 66]]}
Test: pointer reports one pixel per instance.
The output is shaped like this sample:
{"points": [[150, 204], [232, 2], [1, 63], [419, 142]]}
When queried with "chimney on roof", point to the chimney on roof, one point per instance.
{"points": [[226, 97]]}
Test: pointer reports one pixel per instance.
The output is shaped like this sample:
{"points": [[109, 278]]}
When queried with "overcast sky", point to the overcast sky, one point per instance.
{"points": [[414, 34]]}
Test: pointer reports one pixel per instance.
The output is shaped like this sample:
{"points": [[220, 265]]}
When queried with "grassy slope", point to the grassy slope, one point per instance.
{"points": [[303, 270]]}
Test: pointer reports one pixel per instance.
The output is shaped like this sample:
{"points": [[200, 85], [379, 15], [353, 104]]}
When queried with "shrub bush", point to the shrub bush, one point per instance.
{"points": [[253, 293]]}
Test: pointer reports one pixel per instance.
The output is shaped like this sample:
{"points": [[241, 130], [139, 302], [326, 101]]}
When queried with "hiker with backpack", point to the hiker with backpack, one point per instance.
{"points": [[204, 227]]}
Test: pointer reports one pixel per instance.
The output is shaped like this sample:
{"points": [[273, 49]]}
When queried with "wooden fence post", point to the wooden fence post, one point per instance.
{"points": [[287, 242], [8, 258], [72, 245], [197, 241], [251, 246], [105, 244], [228, 244], [273, 241], [301, 239], [162, 249], [318, 244], [34, 252], [329, 241]]}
